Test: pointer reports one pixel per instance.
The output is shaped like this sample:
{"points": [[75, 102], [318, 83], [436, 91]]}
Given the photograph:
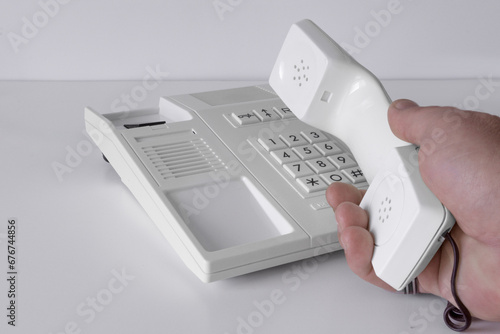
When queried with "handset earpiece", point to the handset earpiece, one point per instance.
{"points": [[326, 88]]}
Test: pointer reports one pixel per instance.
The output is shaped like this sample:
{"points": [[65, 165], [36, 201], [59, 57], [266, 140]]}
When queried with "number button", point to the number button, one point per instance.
{"points": [[293, 139], [271, 144], [314, 136], [285, 156], [334, 177], [320, 165], [307, 152], [328, 148], [297, 169], [342, 161]]}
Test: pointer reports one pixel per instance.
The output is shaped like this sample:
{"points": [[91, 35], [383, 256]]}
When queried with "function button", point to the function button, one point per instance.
{"points": [[320, 205], [266, 114], [245, 117], [284, 112]]}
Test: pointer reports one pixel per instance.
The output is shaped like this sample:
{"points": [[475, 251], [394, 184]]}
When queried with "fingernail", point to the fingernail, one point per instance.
{"points": [[404, 104]]}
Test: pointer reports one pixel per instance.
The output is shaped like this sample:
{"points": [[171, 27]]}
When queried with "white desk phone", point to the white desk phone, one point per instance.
{"points": [[235, 179]]}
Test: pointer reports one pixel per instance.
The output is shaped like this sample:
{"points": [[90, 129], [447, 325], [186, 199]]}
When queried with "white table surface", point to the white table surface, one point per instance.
{"points": [[77, 235]]}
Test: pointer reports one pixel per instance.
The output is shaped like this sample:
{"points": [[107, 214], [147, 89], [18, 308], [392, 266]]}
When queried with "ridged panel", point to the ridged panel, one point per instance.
{"points": [[183, 158]]}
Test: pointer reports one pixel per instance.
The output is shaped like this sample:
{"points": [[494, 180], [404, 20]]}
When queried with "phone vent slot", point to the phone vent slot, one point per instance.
{"points": [[183, 158]]}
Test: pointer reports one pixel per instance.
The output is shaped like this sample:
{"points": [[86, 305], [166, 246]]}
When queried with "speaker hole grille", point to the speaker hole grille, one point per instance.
{"points": [[183, 158]]}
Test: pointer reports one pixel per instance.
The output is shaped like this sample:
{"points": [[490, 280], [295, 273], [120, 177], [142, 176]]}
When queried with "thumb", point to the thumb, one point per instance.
{"points": [[404, 120]]}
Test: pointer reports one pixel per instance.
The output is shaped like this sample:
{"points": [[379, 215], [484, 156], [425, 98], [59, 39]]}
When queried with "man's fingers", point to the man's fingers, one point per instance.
{"points": [[403, 115], [350, 214], [358, 247], [344, 199], [339, 192], [425, 126], [347, 215], [352, 222]]}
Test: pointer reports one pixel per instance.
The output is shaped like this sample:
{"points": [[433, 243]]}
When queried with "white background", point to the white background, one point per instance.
{"points": [[239, 39], [75, 234]]}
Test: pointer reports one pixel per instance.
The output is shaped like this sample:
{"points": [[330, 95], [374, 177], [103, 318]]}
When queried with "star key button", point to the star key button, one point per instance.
{"points": [[312, 183]]}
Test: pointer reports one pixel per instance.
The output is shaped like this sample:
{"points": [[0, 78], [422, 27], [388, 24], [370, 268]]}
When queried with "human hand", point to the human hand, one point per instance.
{"points": [[459, 160]]}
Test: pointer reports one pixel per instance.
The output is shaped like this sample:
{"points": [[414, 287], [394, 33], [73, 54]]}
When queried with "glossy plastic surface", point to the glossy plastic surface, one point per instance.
{"points": [[407, 221], [325, 87]]}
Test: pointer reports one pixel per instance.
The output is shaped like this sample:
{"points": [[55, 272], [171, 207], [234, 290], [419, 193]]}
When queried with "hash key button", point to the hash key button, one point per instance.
{"points": [[355, 175]]}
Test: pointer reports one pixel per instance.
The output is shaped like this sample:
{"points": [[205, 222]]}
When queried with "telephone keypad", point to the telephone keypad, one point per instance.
{"points": [[312, 159]]}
